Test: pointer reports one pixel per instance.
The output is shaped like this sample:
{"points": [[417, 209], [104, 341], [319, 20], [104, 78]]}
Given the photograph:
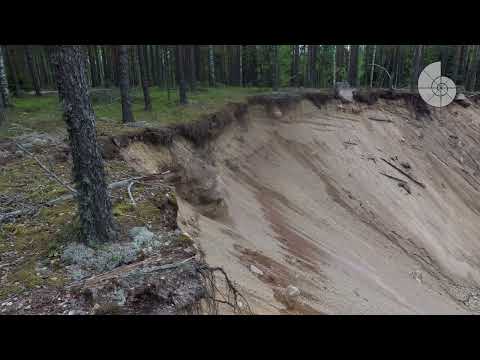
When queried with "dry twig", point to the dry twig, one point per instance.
{"points": [[49, 172], [404, 173]]}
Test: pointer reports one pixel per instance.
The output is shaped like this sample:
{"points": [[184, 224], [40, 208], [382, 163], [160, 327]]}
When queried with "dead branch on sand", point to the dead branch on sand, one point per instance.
{"points": [[404, 173], [380, 120], [393, 178]]}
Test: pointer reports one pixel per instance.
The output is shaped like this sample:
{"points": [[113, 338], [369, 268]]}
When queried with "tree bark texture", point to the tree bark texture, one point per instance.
{"points": [[127, 114], [94, 204]]}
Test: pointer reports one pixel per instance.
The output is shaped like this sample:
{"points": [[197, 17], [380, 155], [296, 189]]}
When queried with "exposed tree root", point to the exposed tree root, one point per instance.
{"points": [[231, 297]]}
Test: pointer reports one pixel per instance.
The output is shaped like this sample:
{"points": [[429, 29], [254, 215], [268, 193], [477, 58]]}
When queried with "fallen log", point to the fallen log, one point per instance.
{"points": [[405, 174]]}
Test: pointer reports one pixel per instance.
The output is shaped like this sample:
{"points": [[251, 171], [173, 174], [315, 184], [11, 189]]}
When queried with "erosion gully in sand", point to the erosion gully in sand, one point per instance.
{"points": [[314, 205]]}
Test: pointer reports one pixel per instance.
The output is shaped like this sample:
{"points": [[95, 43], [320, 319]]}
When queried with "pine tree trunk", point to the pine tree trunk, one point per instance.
{"points": [[163, 67], [148, 72], [94, 204], [107, 81], [372, 70], [12, 64], [211, 65], [240, 65], [334, 65], [254, 65], [3, 116], [198, 63], [153, 64], [464, 64], [313, 66], [91, 63], [4, 93], [193, 72], [353, 68], [417, 63], [115, 72], [444, 56], [39, 74], [456, 63], [98, 65], [294, 80], [141, 62], [33, 73], [395, 61], [310, 65], [169, 76], [275, 68], [47, 70], [340, 62], [124, 83], [471, 78], [233, 57], [401, 63], [182, 85]]}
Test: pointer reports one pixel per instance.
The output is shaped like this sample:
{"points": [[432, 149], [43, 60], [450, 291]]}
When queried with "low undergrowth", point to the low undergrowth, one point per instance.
{"points": [[43, 114]]}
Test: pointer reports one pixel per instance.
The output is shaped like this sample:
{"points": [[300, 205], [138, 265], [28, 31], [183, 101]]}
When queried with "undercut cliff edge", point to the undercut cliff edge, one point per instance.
{"points": [[318, 205]]}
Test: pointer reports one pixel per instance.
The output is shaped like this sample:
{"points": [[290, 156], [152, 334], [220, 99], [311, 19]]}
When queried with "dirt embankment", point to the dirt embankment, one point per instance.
{"points": [[364, 207]]}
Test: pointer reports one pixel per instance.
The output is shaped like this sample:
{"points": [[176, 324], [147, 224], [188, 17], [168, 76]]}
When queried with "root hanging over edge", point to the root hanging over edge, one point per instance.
{"points": [[214, 296]]}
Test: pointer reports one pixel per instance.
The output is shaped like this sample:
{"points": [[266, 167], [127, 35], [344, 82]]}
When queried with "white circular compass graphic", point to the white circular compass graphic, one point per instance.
{"points": [[435, 89]]}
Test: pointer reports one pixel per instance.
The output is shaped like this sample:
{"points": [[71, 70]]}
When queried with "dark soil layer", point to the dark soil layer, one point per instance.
{"points": [[208, 127]]}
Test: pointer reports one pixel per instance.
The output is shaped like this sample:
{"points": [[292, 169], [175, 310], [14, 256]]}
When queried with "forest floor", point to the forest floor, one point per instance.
{"points": [[43, 114], [33, 275], [32, 272]]}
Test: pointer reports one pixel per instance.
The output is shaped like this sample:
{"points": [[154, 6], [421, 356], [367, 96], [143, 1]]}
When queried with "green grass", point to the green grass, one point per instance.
{"points": [[43, 114]]}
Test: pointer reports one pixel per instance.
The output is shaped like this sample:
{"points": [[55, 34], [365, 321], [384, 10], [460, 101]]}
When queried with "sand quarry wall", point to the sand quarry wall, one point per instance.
{"points": [[296, 191]]}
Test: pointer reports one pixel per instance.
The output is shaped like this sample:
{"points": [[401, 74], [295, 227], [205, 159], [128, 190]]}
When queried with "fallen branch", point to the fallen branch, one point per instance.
{"points": [[405, 186], [401, 183], [393, 178], [380, 120], [5, 265], [438, 158], [115, 273], [129, 189], [169, 266], [49, 172], [404, 173], [112, 186], [14, 214]]}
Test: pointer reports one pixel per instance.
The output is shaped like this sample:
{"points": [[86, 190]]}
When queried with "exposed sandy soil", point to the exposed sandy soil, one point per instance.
{"points": [[305, 202]]}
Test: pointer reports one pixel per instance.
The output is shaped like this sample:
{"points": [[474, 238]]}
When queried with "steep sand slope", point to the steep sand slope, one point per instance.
{"points": [[307, 205]]}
